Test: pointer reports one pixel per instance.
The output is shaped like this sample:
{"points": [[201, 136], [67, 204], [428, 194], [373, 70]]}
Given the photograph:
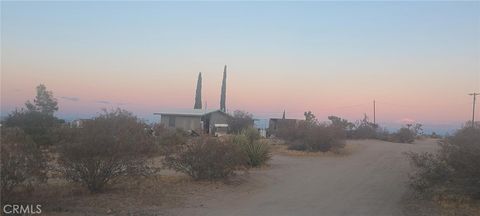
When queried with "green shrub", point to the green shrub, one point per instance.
{"points": [[257, 152], [206, 158], [251, 133]]}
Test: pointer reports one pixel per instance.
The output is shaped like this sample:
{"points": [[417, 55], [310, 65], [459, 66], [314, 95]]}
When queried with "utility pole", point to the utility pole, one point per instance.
{"points": [[374, 119], [473, 113]]}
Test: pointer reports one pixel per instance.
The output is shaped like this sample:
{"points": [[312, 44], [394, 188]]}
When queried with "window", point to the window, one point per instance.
{"points": [[171, 121]]}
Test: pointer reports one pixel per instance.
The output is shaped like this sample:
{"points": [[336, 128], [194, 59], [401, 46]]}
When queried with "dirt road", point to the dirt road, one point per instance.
{"points": [[370, 181]]}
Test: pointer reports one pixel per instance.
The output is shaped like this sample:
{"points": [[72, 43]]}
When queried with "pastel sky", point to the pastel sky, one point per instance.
{"points": [[417, 59]]}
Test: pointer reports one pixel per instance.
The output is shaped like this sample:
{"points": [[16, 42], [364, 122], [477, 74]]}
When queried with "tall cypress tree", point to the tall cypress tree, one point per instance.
{"points": [[198, 93], [224, 90]]}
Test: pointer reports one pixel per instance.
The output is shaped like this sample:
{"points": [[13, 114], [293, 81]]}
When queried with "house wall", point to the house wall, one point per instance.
{"points": [[183, 122]]}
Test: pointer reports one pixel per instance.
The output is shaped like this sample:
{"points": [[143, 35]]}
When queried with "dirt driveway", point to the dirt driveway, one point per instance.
{"points": [[370, 181]]}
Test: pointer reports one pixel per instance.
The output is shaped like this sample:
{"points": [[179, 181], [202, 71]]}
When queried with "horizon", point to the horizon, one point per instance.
{"points": [[417, 60]]}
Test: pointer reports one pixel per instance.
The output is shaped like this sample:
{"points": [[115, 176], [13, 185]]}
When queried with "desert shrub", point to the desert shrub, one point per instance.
{"points": [[320, 138], [453, 169], [251, 133], [310, 135], [240, 121], [113, 144], [289, 131], [404, 135], [342, 125], [365, 130], [416, 129], [206, 158], [159, 129], [169, 139], [257, 152], [39, 126], [22, 162]]}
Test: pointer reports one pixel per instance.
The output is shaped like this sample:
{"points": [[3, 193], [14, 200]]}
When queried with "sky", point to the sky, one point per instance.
{"points": [[418, 60]]}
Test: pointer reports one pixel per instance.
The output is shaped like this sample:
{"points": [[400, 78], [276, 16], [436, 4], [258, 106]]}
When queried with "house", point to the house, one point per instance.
{"points": [[274, 124], [196, 120]]}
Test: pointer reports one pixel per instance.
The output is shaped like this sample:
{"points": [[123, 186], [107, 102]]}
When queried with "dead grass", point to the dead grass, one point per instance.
{"points": [[133, 194], [457, 205], [152, 195], [417, 204]]}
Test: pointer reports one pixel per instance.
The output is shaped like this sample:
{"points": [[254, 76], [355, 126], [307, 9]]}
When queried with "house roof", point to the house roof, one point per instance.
{"points": [[188, 112]]}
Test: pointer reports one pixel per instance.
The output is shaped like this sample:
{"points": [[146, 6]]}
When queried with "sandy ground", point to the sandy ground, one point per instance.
{"points": [[370, 180], [368, 177]]}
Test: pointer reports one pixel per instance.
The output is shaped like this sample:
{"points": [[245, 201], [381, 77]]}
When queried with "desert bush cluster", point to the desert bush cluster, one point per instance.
{"points": [[310, 135], [210, 158], [364, 129], [206, 158], [34, 143], [111, 145], [453, 168], [403, 135]]}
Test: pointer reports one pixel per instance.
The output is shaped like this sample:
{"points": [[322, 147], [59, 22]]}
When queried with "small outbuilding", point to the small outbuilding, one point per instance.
{"points": [[200, 121]]}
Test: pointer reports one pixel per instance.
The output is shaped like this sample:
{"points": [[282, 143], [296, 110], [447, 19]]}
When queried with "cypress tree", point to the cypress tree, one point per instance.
{"points": [[198, 93], [224, 90]]}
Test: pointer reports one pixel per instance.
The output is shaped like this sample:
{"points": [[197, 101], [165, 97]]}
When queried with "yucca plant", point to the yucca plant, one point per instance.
{"points": [[257, 152]]}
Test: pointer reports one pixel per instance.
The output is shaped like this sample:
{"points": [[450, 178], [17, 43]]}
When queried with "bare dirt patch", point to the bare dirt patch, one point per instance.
{"points": [[369, 181], [282, 149]]}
